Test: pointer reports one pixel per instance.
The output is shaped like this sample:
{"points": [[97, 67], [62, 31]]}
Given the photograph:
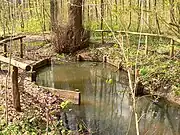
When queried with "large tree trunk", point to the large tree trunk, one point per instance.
{"points": [[75, 21], [71, 37]]}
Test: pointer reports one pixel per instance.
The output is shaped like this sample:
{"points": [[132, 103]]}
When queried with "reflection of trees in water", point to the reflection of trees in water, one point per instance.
{"points": [[158, 117], [104, 111], [106, 103], [101, 105], [63, 76]]}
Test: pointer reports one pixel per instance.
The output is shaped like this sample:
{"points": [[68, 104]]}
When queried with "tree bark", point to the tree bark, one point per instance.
{"points": [[75, 14], [72, 36], [139, 15], [178, 9], [130, 14], [53, 11], [102, 17], [156, 17], [96, 8], [172, 16], [75, 21]]}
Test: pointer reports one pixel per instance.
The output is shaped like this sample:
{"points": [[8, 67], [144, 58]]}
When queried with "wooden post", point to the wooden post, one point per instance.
{"points": [[172, 48], [146, 45], [33, 76], [15, 89], [5, 50], [21, 48]]}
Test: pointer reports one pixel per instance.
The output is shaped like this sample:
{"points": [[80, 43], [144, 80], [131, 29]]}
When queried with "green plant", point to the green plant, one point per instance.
{"points": [[109, 81], [65, 104]]}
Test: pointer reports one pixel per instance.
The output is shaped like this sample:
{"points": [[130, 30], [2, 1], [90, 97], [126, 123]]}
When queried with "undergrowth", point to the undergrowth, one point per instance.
{"points": [[156, 70]]}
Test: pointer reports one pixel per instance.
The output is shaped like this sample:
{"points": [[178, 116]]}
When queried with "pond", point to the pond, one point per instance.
{"points": [[106, 106]]}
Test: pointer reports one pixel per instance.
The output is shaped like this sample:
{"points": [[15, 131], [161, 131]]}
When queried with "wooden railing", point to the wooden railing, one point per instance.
{"points": [[16, 64], [171, 38], [5, 41]]}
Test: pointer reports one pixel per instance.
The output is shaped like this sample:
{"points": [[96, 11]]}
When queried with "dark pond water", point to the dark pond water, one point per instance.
{"points": [[106, 107]]}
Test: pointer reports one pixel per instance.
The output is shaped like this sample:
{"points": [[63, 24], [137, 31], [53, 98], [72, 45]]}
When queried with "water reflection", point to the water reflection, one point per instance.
{"points": [[106, 107]]}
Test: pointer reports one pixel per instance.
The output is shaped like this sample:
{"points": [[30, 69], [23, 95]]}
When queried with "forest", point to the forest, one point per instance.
{"points": [[91, 67]]}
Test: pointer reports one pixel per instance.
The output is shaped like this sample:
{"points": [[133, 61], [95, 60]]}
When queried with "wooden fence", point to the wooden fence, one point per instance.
{"points": [[146, 35], [5, 41]]}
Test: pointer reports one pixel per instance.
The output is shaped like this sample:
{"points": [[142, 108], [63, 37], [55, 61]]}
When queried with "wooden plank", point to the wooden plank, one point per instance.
{"points": [[29, 62], [15, 89], [4, 37], [129, 32], [11, 39], [15, 63], [39, 64], [117, 63], [72, 96]]}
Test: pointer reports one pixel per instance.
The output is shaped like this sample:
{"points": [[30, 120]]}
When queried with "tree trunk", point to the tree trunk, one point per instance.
{"points": [[139, 15], [172, 16], [75, 21], [130, 14], [75, 14], [156, 17], [71, 37], [102, 17], [96, 8], [53, 11], [178, 9]]}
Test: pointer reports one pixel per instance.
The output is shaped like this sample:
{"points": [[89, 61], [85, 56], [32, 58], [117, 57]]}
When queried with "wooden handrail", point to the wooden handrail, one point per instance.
{"points": [[11, 38], [144, 34], [16, 63]]}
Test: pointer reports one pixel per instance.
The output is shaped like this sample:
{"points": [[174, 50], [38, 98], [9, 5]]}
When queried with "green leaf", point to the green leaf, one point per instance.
{"points": [[143, 71], [110, 81], [64, 104]]}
